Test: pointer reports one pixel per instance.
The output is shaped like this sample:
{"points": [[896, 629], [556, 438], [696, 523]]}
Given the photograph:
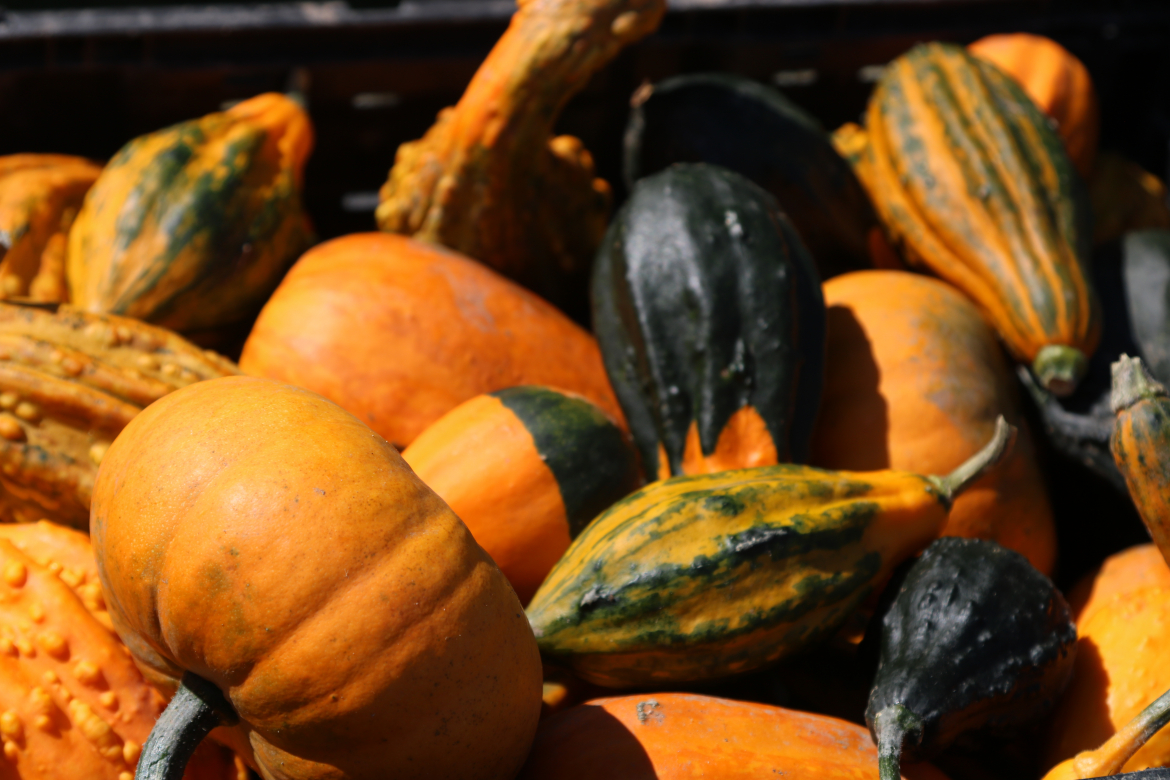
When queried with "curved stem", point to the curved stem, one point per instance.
{"points": [[198, 707], [1112, 755], [891, 726], [974, 467]]}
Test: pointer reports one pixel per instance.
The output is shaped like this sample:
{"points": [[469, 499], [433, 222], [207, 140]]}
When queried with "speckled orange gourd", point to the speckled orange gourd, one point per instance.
{"points": [[489, 179], [69, 382], [39, 198], [73, 706]]}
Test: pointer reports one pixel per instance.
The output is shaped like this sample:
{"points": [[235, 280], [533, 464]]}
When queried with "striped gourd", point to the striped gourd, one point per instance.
{"points": [[974, 185], [1141, 444], [193, 226], [698, 577]]}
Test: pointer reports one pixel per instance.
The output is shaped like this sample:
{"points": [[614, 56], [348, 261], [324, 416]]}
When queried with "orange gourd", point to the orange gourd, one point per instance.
{"points": [[399, 332], [914, 380], [266, 547], [1058, 82], [672, 736], [1125, 197], [1138, 567]]}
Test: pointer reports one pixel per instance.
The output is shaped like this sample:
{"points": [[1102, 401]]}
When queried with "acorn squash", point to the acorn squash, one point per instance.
{"points": [[266, 548], [710, 319], [400, 332], [192, 227], [972, 184], [526, 468]]}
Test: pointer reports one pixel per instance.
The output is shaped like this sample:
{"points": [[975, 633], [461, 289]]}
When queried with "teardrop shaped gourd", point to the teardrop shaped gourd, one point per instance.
{"points": [[267, 550], [1057, 81], [710, 319], [526, 468], [973, 185], [191, 227], [1141, 444], [975, 640], [700, 577], [672, 736]]}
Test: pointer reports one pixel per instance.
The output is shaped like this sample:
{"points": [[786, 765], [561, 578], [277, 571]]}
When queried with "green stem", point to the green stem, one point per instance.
{"points": [[198, 707], [1060, 368], [1132, 382], [974, 467], [1111, 756], [891, 726]]}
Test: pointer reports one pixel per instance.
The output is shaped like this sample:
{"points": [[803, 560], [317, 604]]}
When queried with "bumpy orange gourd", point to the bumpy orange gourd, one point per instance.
{"points": [[677, 736], [73, 706], [1138, 567], [1058, 82], [263, 538], [489, 179], [914, 379], [39, 198], [399, 332]]}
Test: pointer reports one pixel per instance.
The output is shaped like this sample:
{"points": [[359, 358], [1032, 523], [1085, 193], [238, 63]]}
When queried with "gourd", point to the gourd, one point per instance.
{"points": [[266, 552], [489, 179], [672, 736], [1131, 569], [1113, 754], [191, 227], [973, 185], [700, 577], [1125, 198], [69, 382], [914, 378], [975, 639], [400, 332], [1121, 667], [710, 319], [747, 127], [73, 706], [1059, 84], [1141, 436], [526, 468], [39, 198]]}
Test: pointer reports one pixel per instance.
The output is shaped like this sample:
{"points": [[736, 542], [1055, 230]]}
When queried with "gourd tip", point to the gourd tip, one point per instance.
{"points": [[1132, 381], [1060, 368], [891, 727]]}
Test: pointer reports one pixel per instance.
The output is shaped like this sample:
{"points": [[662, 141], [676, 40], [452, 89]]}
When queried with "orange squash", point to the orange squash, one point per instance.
{"points": [[489, 179], [677, 736], [914, 380], [1108, 759], [400, 332], [1058, 82], [264, 545], [1129, 570], [1125, 197], [1140, 442]]}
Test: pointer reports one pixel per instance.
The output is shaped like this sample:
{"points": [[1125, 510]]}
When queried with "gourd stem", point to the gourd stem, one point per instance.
{"points": [[1131, 383], [891, 726], [1112, 755], [198, 707], [974, 467]]}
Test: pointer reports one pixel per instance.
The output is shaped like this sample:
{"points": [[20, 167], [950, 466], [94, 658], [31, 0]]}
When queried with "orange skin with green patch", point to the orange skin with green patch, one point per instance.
{"points": [[261, 537], [678, 736], [400, 332], [914, 379]]}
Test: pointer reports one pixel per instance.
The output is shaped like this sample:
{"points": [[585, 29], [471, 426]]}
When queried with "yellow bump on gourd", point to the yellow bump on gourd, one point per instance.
{"points": [[55, 567], [130, 752], [11, 726], [25, 647], [72, 577], [97, 451], [11, 751], [50, 678], [125, 776], [11, 429], [92, 597], [27, 411], [41, 701], [15, 573], [149, 362], [95, 729], [6, 646], [36, 611], [71, 366], [55, 645], [109, 700], [170, 370], [43, 723], [123, 334], [87, 673], [9, 400]]}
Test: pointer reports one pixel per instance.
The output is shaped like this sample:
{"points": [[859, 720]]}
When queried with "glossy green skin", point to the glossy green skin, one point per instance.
{"points": [[705, 300], [752, 129], [594, 463], [975, 639]]}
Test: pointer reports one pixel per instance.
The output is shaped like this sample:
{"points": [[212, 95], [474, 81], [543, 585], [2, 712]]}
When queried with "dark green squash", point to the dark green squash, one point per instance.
{"points": [[975, 639], [752, 129], [711, 322]]}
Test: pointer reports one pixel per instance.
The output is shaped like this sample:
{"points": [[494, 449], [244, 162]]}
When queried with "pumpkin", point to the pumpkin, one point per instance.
{"points": [[1125, 197], [39, 198], [489, 179], [1141, 436], [750, 128], [975, 639], [914, 379], [1121, 667], [972, 184], [69, 382], [192, 227], [709, 314], [1131, 569], [73, 706], [1059, 84], [526, 469], [266, 548], [677, 736], [400, 332], [701, 577]]}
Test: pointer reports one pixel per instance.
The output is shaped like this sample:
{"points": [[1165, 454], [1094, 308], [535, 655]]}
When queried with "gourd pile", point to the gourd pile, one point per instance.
{"points": [[781, 510]]}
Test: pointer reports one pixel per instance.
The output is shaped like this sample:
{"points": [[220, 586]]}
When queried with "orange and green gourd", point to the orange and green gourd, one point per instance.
{"points": [[192, 227], [1141, 444], [973, 185]]}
